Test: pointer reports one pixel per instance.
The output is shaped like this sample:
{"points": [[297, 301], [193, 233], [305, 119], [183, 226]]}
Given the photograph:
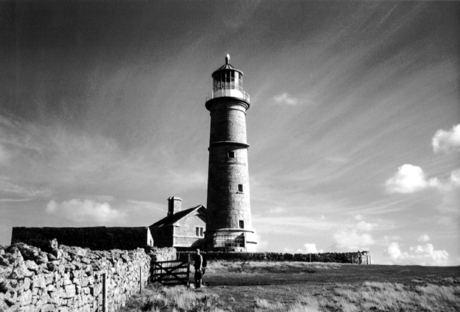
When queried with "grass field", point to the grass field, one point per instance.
{"points": [[294, 286]]}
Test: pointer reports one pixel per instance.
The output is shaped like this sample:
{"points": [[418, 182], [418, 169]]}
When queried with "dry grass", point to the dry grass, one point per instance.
{"points": [[264, 305], [283, 286], [269, 267], [376, 296], [370, 296], [156, 298]]}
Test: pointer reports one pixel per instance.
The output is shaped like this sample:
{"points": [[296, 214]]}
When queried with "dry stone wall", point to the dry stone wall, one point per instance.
{"points": [[95, 238], [337, 257], [71, 278]]}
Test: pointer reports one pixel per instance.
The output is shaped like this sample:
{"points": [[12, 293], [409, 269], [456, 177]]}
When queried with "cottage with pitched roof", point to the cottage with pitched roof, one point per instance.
{"points": [[181, 229]]}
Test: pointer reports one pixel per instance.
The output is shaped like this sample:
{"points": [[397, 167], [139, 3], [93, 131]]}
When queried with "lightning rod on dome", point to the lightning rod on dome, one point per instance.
{"points": [[227, 59]]}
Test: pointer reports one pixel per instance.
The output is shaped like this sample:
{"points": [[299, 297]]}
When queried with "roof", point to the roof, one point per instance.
{"points": [[227, 67], [176, 217]]}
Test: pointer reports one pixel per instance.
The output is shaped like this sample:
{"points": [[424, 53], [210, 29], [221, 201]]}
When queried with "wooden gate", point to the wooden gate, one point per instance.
{"points": [[171, 272]]}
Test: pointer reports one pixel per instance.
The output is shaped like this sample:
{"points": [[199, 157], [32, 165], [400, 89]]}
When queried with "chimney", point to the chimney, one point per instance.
{"points": [[174, 205]]}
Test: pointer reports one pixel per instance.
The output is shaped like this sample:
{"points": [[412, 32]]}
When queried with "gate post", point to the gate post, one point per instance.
{"points": [[140, 279], [104, 292]]}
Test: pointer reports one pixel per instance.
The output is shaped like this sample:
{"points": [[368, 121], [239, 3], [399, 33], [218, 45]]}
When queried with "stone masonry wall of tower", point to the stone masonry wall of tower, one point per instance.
{"points": [[227, 205]]}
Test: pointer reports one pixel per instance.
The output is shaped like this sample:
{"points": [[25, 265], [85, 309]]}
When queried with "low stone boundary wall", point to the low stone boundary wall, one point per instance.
{"points": [[94, 238], [337, 257], [71, 278], [163, 254]]}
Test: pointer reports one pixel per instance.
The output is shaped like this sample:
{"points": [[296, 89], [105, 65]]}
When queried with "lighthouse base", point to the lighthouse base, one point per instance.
{"points": [[231, 240]]}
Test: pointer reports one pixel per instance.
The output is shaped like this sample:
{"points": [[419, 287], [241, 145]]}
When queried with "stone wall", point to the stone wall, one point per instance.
{"points": [[95, 238], [337, 257], [162, 254], [71, 278]]}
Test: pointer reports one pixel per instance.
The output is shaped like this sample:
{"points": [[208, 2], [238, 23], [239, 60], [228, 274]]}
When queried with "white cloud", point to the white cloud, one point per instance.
{"points": [[364, 226], [296, 225], [288, 250], [185, 179], [261, 243], [455, 177], [447, 141], [308, 248], [387, 238], [424, 238], [311, 248], [84, 211], [408, 179], [420, 254], [148, 205], [285, 98], [352, 240], [394, 251], [277, 210], [353, 237], [447, 184]]}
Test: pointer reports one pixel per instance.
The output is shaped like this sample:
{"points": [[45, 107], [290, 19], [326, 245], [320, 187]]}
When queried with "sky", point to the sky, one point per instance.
{"points": [[354, 124]]}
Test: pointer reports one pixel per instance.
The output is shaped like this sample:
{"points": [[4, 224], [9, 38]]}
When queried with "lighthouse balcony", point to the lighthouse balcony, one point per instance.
{"points": [[228, 93]]}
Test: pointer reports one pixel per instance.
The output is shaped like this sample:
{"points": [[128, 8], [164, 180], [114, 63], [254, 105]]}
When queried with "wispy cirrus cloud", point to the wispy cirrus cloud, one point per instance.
{"points": [[446, 141], [295, 225], [8, 188], [5, 156], [148, 205]]}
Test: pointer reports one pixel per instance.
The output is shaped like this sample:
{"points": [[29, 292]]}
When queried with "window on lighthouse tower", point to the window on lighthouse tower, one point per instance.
{"points": [[240, 188]]}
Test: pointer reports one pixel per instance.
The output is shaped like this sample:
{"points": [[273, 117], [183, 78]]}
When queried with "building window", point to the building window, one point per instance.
{"points": [[199, 231], [231, 154], [241, 224], [240, 188]]}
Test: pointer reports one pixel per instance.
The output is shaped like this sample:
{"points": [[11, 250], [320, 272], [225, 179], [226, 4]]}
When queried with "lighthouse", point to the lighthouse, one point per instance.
{"points": [[229, 224]]}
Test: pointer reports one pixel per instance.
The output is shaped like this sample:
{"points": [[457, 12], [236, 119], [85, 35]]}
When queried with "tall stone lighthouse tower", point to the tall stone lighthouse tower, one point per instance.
{"points": [[229, 225]]}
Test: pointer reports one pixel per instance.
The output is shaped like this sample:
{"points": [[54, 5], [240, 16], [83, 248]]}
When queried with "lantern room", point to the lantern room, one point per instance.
{"points": [[228, 82]]}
